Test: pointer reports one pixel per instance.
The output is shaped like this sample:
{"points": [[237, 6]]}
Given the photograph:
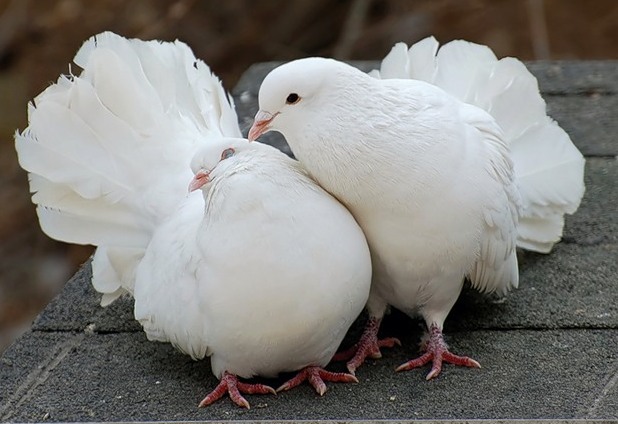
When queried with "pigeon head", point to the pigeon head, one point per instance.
{"points": [[292, 90], [214, 159]]}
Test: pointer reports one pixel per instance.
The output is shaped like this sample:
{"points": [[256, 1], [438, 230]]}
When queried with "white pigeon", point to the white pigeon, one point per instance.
{"points": [[261, 270], [265, 273], [447, 161]]}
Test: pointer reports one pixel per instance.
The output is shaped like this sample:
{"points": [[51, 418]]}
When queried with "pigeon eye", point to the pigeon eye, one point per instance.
{"points": [[292, 98], [227, 153]]}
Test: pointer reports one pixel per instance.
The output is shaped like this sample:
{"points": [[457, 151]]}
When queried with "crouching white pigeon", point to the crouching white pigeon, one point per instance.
{"points": [[261, 270], [448, 163], [265, 273]]}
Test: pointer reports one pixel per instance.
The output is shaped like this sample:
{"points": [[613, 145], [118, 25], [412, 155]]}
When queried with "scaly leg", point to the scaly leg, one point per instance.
{"points": [[437, 351], [367, 346]]}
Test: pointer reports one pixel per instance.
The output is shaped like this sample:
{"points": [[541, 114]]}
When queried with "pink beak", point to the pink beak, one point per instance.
{"points": [[201, 178], [261, 124]]}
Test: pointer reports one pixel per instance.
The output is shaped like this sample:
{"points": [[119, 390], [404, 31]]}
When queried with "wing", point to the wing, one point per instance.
{"points": [[168, 296], [496, 269]]}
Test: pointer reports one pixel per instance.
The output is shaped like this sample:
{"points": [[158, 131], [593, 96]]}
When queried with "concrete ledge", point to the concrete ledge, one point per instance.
{"points": [[549, 351]]}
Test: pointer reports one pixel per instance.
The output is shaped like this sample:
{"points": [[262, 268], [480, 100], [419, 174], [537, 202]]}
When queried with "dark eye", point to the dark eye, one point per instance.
{"points": [[292, 98], [227, 153]]}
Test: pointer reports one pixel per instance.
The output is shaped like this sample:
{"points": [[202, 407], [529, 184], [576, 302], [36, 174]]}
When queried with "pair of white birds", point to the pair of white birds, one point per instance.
{"points": [[444, 160]]}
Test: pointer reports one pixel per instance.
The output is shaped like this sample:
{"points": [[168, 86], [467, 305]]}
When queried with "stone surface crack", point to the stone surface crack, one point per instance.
{"points": [[611, 385], [26, 391]]}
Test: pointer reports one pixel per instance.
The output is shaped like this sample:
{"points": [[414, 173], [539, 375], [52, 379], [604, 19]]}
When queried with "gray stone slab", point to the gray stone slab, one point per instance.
{"points": [[77, 308], [571, 77], [573, 287], [122, 377], [596, 221], [25, 365], [549, 350], [590, 121]]}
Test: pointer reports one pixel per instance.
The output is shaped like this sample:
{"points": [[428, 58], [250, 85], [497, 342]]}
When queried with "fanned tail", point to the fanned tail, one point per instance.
{"points": [[548, 166], [108, 150]]}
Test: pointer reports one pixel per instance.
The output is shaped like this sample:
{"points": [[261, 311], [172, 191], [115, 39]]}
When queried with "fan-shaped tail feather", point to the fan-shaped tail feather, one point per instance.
{"points": [[108, 151], [548, 167]]}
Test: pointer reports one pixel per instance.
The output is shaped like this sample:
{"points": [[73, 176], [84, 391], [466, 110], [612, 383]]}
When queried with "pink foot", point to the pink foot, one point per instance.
{"points": [[367, 346], [230, 384], [316, 377], [437, 351]]}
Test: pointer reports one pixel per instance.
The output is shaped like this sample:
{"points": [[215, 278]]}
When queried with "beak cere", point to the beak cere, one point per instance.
{"points": [[201, 178], [261, 124]]}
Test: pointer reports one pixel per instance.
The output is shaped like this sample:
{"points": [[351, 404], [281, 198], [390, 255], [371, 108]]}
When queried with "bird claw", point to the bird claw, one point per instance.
{"points": [[437, 352], [370, 349], [229, 384], [316, 377], [367, 347]]}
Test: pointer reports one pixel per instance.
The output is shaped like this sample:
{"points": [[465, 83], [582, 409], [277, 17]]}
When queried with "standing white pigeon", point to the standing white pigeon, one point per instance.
{"points": [[446, 169], [261, 270]]}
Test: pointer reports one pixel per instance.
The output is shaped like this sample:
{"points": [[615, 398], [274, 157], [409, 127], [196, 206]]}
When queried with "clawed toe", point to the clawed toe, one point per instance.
{"points": [[436, 351], [229, 384], [316, 377]]}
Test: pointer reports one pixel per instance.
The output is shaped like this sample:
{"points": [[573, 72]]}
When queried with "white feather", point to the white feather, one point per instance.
{"points": [[108, 150], [548, 167], [422, 59], [396, 63]]}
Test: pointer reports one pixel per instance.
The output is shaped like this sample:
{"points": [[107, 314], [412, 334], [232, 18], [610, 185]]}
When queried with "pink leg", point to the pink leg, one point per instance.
{"points": [[367, 346], [230, 384], [316, 377], [437, 351]]}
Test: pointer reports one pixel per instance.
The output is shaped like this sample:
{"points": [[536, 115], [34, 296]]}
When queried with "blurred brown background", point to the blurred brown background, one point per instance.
{"points": [[38, 39]]}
